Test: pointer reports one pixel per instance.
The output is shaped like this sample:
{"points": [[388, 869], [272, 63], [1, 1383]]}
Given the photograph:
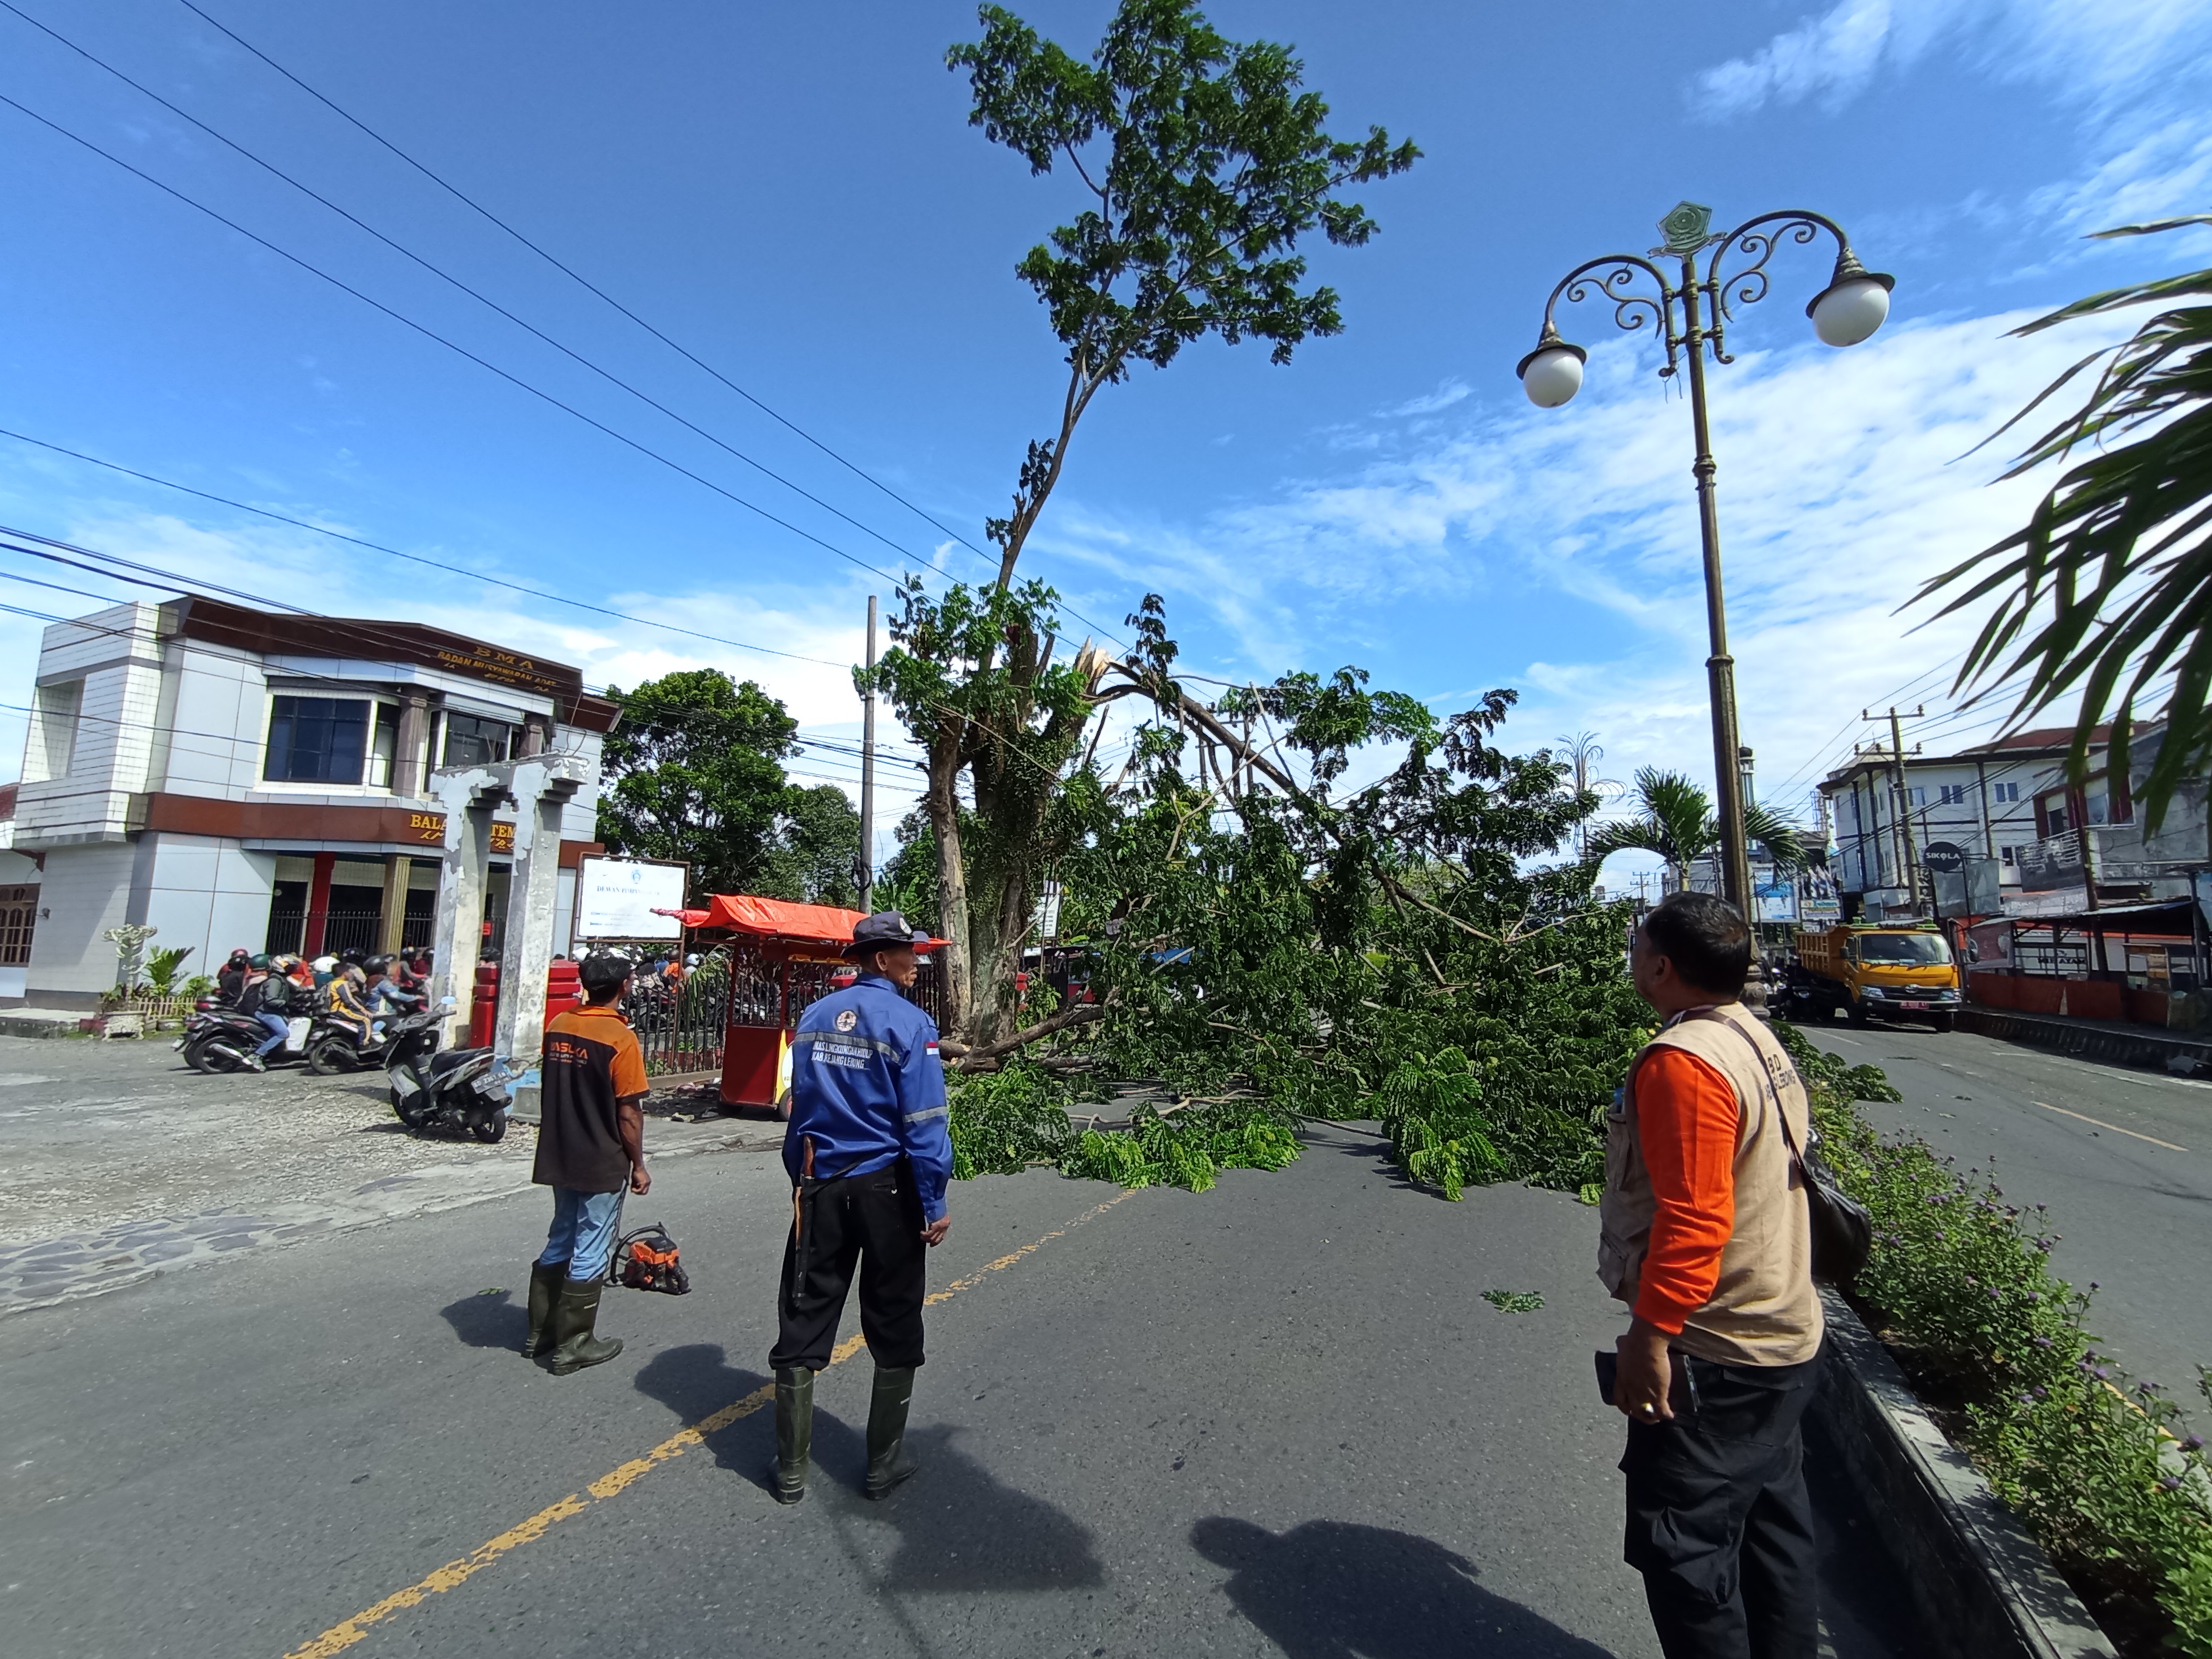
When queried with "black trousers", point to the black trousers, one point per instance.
{"points": [[871, 1221], [1719, 1523]]}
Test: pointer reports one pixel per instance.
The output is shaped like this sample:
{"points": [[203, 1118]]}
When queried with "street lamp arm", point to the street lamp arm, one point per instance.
{"points": [[1608, 278], [1756, 240]]}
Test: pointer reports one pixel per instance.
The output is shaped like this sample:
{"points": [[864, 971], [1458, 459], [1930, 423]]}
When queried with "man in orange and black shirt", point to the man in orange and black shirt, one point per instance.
{"points": [[591, 1147]]}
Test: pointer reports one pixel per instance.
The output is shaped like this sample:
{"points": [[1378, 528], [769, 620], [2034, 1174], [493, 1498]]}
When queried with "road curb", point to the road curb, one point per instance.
{"points": [[1982, 1587], [2147, 1046]]}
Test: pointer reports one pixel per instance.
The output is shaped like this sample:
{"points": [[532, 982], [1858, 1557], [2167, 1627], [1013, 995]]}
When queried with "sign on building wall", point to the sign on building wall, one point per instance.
{"points": [[615, 898], [1817, 900], [1777, 901]]}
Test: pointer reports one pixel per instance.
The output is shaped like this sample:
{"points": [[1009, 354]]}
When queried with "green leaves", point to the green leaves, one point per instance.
{"points": [[1675, 820], [2106, 591], [695, 772], [1201, 163]]}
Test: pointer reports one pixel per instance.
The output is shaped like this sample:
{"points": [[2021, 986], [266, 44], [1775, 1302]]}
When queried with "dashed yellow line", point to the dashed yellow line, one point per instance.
{"points": [[342, 1635]]}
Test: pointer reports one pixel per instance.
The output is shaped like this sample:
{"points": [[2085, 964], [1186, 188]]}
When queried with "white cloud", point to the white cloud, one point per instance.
{"points": [[2086, 53], [1845, 482]]}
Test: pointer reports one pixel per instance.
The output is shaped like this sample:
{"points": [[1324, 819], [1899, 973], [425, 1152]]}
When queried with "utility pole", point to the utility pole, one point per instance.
{"points": [[867, 859], [1909, 856]]}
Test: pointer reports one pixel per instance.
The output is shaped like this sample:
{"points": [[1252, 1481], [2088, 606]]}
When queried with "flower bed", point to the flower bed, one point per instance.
{"points": [[2098, 1463]]}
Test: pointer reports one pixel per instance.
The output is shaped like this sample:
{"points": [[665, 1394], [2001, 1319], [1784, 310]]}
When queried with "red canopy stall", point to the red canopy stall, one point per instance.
{"points": [[783, 956]]}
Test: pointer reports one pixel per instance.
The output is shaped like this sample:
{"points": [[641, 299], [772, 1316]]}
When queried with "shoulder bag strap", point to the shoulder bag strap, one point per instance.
{"points": [[1774, 1094]]}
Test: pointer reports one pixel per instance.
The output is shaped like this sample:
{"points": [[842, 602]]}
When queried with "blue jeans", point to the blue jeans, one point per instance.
{"points": [[280, 1029], [584, 1225]]}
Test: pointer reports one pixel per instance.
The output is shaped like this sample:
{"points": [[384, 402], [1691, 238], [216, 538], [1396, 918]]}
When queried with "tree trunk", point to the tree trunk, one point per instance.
{"points": [[951, 886]]}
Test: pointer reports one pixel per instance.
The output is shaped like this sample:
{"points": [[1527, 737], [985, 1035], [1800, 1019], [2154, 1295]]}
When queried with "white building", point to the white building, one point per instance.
{"points": [[2056, 845], [239, 777]]}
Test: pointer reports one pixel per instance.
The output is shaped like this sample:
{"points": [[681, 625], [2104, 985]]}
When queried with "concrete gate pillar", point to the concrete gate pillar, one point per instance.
{"points": [[540, 786]]}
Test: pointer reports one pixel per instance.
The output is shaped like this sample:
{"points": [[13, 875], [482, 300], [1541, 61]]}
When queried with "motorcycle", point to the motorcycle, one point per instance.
{"points": [[449, 1089], [334, 1046], [221, 1039]]}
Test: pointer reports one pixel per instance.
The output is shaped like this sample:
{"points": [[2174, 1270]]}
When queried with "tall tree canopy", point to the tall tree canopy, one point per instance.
{"points": [[1675, 819], [695, 771], [1199, 164]]}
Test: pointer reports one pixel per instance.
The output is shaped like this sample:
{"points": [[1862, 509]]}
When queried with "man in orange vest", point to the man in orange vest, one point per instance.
{"points": [[1705, 1234]]}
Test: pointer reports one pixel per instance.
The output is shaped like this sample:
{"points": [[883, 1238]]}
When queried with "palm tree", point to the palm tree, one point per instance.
{"points": [[2106, 589], [1675, 820]]}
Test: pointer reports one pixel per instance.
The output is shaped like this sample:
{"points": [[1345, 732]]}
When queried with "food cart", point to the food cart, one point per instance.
{"points": [[783, 956]]}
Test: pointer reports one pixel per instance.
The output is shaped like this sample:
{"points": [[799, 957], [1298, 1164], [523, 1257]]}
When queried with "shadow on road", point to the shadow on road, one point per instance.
{"points": [[698, 1379], [1328, 1589], [488, 1319], [959, 1527], [962, 1528]]}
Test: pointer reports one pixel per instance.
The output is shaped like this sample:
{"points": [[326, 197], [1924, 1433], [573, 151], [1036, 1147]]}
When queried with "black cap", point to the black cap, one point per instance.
{"points": [[883, 930]]}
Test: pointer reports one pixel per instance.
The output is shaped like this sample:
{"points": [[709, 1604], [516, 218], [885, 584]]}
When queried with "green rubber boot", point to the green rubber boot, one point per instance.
{"points": [[575, 1310], [794, 1431], [888, 1463], [545, 1284]]}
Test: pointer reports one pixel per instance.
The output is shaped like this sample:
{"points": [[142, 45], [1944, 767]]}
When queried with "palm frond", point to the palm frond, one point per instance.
{"points": [[2106, 591]]}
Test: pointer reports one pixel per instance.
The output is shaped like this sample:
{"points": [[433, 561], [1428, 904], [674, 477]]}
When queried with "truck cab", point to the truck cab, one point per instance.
{"points": [[1892, 972]]}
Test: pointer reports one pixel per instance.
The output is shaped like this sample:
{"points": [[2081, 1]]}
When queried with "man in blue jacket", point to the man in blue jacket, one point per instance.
{"points": [[869, 1154]]}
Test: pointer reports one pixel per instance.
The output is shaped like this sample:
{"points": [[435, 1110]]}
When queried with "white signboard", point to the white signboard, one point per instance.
{"points": [[615, 898]]}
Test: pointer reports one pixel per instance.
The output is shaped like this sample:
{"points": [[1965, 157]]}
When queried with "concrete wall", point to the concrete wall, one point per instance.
{"points": [[209, 894], [84, 891]]}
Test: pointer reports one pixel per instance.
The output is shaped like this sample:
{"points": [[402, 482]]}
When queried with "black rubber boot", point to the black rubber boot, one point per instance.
{"points": [[575, 1310], [545, 1284], [888, 1463], [794, 1432]]}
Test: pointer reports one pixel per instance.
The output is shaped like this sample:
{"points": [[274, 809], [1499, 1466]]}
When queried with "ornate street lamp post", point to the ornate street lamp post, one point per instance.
{"points": [[1692, 315]]}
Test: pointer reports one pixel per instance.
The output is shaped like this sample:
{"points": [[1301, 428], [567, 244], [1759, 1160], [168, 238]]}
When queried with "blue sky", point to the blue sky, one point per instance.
{"points": [[794, 195]]}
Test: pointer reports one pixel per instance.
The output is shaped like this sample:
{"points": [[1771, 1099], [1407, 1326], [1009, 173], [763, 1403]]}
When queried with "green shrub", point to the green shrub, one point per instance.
{"points": [[2099, 1464]]}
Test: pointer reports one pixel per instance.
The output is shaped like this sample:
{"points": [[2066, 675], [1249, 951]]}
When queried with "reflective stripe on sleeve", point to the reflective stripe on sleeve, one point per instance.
{"points": [[924, 1117]]}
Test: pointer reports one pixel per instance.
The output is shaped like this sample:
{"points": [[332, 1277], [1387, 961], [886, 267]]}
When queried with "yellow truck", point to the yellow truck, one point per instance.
{"points": [[1896, 970]]}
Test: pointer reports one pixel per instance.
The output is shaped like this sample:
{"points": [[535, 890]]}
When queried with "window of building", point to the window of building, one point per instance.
{"points": [[383, 746], [2010, 856], [2053, 816], [1955, 794], [52, 747], [1919, 796], [472, 740], [2004, 792], [317, 740], [19, 918]]}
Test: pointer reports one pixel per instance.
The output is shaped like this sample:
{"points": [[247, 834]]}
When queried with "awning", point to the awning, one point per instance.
{"points": [[2162, 915], [779, 919]]}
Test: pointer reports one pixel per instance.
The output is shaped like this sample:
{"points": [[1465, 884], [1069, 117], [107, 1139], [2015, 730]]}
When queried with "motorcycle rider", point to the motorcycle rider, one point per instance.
{"points": [[230, 980], [345, 1001], [266, 995]]}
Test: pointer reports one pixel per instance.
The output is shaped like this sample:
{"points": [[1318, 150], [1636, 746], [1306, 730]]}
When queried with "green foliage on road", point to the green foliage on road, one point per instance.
{"points": [[1005, 1121], [2099, 1464]]}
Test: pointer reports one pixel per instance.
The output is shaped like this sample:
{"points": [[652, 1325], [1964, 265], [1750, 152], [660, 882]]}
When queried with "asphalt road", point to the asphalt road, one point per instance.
{"points": [[1273, 1418], [2123, 1158]]}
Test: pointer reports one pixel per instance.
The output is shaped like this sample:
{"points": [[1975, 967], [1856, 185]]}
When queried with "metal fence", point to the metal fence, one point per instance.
{"points": [[679, 1023]]}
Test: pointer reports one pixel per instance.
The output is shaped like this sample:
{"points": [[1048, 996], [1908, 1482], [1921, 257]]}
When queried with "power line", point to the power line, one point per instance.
{"points": [[415, 558], [453, 346], [585, 283], [447, 277]]}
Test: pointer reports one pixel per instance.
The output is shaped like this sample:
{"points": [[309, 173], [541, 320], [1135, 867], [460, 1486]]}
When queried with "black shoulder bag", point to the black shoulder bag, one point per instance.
{"points": [[1843, 1231]]}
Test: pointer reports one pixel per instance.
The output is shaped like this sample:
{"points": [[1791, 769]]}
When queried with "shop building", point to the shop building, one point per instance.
{"points": [[239, 777]]}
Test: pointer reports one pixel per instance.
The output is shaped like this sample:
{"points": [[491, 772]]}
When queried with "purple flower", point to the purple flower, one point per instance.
{"points": [[2193, 1442], [2170, 1482], [1993, 1294], [2041, 1392], [2102, 1373]]}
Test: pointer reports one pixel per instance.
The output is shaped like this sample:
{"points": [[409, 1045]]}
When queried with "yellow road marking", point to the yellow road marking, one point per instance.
{"points": [[2114, 1127], [341, 1635]]}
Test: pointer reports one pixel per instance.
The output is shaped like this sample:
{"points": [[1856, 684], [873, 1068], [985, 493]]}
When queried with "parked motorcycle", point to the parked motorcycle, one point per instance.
{"points": [[335, 1046], [449, 1089], [221, 1039]]}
